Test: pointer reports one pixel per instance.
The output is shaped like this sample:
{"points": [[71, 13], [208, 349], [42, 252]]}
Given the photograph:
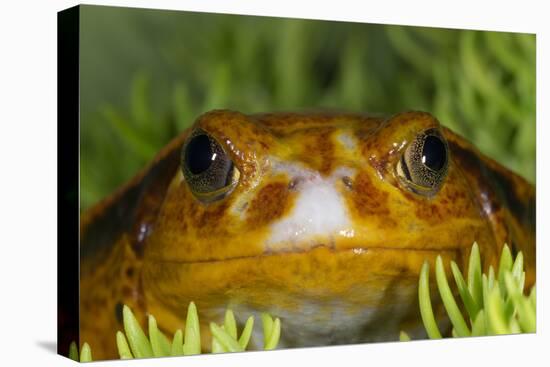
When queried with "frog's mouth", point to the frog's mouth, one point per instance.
{"points": [[361, 274], [313, 250]]}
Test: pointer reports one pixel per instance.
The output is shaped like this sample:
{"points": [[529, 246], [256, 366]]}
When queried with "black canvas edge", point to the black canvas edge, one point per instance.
{"points": [[68, 202]]}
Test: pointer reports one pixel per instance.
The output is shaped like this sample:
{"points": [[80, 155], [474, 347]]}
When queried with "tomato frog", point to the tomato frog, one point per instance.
{"points": [[321, 219]]}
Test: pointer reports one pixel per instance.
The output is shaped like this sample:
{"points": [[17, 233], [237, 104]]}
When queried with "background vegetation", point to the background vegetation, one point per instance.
{"points": [[146, 75]]}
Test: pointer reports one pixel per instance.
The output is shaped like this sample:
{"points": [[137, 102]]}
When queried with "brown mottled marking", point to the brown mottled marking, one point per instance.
{"points": [[449, 202], [318, 150], [367, 199], [271, 203]]}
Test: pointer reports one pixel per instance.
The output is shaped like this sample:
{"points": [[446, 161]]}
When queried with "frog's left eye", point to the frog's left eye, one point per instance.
{"points": [[207, 168], [423, 166]]}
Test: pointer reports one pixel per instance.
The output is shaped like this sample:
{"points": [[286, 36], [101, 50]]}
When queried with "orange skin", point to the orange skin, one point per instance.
{"points": [[153, 246]]}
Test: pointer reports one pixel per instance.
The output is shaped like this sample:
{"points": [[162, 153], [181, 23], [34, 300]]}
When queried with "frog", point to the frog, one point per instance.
{"points": [[322, 219]]}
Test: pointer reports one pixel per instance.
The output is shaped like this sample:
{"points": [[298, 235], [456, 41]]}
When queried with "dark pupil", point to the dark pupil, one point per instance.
{"points": [[433, 153], [198, 154]]}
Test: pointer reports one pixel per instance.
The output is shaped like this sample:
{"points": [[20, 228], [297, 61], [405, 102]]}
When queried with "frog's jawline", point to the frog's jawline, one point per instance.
{"points": [[355, 250]]}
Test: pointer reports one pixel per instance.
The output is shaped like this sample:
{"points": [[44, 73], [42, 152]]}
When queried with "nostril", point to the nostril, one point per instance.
{"points": [[243, 206], [292, 185], [347, 181]]}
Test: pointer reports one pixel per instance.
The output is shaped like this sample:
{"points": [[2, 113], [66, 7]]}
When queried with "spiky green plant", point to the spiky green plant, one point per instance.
{"points": [[494, 304], [225, 336], [85, 352], [133, 343]]}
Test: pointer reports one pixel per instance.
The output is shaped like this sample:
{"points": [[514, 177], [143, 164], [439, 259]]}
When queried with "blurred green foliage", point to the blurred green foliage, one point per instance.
{"points": [[147, 74]]}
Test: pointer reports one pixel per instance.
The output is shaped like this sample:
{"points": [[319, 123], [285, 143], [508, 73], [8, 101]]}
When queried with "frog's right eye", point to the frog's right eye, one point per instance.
{"points": [[423, 166], [207, 168]]}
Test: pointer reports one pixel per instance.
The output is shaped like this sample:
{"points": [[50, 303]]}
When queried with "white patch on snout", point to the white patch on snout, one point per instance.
{"points": [[319, 210]]}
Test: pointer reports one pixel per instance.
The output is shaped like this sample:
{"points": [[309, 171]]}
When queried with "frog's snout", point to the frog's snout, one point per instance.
{"points": [[319, 211]]}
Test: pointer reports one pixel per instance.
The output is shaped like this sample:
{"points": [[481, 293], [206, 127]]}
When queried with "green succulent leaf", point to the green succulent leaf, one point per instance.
{"points": [[273, 338], [491, 278], [247, 332], [404, 337], [498, 324], [177, 344], [533, 298], [267, 325], [517, 268], [122, 346], [159, 343], [86, 353], [505, 265], [526, 317], [192, 331], [230, 324], [464, 292], [448, 300], [479, 326], [73, 351], [474, 276], [139, 344], [217, 347], [225, 339], [426, 310]]}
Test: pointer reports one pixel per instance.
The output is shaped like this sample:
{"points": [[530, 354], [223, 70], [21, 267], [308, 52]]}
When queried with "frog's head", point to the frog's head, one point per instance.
{"points": [[268, 209]]}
